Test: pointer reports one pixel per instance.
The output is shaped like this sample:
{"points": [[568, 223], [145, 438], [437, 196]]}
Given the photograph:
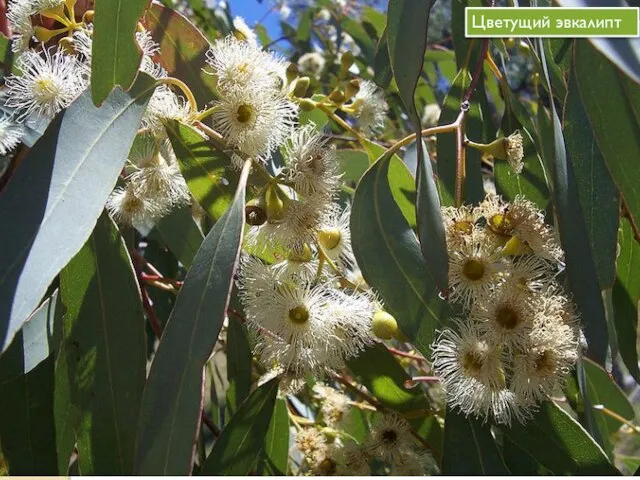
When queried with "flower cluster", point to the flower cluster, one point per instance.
{"points": [[301, 290], [327, 450], [519, 337], [54, 69]]}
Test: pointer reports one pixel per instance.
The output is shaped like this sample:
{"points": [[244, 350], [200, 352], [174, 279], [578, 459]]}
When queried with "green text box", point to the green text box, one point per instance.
{"points": [[487, 22]]}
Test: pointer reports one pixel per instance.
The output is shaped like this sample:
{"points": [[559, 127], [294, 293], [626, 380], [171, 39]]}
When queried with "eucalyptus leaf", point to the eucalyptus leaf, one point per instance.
{"points": [[104, 356], [69, 181], [171, 404], [115, 54], [469, 447], [389, 255], [237, 449]]}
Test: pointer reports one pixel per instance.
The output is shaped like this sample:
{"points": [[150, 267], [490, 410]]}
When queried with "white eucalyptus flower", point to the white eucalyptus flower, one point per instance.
{"points": [[370, 107], [254, 120], [46, 85]]}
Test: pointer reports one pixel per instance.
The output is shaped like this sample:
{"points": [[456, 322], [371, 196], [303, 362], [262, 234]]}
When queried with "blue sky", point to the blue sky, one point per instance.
{"points": [[252, 11]]}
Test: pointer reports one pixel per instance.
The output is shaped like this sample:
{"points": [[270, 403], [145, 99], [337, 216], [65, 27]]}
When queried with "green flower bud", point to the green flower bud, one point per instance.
{"points": [[383, 325], [301, 86]]}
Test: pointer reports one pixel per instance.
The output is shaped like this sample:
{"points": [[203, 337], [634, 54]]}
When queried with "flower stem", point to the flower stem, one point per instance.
{"points": [[182, 86]]}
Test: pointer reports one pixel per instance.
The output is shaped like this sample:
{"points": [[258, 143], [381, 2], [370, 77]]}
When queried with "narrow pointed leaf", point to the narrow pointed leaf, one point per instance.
{"points": [[407, 25], [557, 442], [381, 65], [275, 453], [388, 252], [433, 242], [236, 450], [626, 297], [581, 271], [613, 120], [597, 193], [115, 55], [239, 365], [104, 357], [170, 414], [469, 447], [622, 52], [603, 391], [27, 434], [34, 342], [54, 199]]}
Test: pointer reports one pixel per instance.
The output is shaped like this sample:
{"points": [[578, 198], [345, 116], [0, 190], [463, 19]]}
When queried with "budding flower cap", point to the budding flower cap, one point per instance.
{"points": [[515, 151]]}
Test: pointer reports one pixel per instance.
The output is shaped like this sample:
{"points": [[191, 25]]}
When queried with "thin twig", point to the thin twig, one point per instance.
{"points": [[401, 353], [477, 73]]}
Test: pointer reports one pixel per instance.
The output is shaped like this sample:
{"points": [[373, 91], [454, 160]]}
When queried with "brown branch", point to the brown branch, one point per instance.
{"points": [[477, 73]]}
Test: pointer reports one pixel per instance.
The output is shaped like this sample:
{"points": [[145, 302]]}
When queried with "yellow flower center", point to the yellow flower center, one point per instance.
{"points": [[501, 223], [463, 226], [45, 89], [299, 315], [473, 269], [245, 113]]}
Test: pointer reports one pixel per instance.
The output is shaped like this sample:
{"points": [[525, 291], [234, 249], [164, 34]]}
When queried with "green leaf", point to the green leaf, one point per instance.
{"points": [[446, 146], [183, 50], [390, 258], [613, 121], [170, 414], [181, 234], [597, 193], [33, 343], [353, 164], [407, 25], [431, 233], [558, 443], [520, 462], [205, 168], [239, 364], [104, 357], [383, 376], [622, 52], [53, 203], [469, 448], [626, 297], [402, 184], [603, 391], [581, 272], [27, 432], [238, 447], [115, 54], [275, 454], [381, 66]]}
